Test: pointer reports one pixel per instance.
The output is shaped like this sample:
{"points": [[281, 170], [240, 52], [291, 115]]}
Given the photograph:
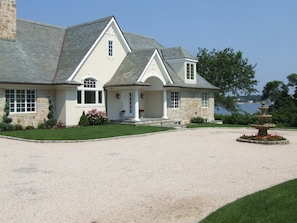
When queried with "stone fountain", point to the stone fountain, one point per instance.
{"points": [[263, 137], [262, 118]]}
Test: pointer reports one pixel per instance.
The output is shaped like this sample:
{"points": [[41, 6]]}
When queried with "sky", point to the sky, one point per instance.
{"points": [[265, 31]]}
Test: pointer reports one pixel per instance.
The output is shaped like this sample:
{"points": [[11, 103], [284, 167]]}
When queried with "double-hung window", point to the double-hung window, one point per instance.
{"points": [[190, 71], [21, 100], [204, 100], [89, 93], [174, 99]]}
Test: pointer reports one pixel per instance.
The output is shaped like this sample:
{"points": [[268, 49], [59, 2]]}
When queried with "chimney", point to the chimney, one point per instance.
{"points": [[8, 20]]}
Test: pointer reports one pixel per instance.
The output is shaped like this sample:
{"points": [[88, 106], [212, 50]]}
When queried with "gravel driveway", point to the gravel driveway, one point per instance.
{"points": [[178, 176]]}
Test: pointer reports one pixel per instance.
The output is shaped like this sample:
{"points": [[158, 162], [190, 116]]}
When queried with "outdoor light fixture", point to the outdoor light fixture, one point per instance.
{"points": [[142, 95], [118, 95]]}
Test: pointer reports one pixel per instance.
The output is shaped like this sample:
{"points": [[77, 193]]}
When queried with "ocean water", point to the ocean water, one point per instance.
{"points": [[250, 108]]}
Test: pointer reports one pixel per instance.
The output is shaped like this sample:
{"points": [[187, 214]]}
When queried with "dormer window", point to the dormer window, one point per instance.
{"points": [[110, 48], [190, 71]]}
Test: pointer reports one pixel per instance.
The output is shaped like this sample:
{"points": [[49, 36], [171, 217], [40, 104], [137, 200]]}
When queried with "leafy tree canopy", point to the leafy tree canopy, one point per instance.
{"points": [[229, 71], [284, 106]]}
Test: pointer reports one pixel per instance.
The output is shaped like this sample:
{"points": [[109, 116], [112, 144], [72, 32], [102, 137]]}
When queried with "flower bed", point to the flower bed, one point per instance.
{"points": [[269, 139]]}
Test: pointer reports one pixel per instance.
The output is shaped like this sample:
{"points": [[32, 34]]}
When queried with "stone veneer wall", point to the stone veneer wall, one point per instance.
{"points": [[8, 19], [30, 119], [191, 106]]}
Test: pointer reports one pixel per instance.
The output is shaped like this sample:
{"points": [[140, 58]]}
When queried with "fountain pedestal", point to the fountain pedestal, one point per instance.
{"points": [[262, 118], [262, 136]]}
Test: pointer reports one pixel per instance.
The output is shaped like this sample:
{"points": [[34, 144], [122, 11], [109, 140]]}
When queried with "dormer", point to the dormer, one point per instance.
{"points": [[182, 62]]}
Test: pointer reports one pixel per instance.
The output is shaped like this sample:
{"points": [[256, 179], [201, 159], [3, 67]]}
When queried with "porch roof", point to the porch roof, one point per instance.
{"points": [[134, 64]]}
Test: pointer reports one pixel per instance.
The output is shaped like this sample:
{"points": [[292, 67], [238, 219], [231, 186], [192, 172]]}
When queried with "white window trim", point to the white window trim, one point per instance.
{"points": [[26, 105], [174, 101], [96, 89], [113, 49], [192, 74], [205, 100]]}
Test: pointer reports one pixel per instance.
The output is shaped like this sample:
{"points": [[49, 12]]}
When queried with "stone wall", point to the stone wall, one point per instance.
{"points": [[8, 19], [191, 106], [32, 118]]}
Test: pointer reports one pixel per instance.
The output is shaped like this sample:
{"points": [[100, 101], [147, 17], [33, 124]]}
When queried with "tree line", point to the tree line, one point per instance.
{"points": [[234, 75]]}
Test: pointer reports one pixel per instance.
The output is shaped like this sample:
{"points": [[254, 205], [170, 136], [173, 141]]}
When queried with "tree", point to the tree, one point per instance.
{"points": [[292, 78], [229, 71], [284, 106]]}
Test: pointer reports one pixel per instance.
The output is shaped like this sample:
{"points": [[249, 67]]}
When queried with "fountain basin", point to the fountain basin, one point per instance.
{"points": [[267, 140], [264, 126]]}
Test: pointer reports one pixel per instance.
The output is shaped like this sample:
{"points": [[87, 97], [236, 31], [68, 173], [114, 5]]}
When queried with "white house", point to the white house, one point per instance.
{"points": [[95, 65]]}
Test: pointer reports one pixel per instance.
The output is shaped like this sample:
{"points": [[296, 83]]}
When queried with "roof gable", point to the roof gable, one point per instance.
{"points": [[155, 63], [131, 68], [79, 43]]}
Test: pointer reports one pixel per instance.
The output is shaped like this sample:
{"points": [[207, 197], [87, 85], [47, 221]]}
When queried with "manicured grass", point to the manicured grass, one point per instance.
{"points": [[82, 133], [274, 205], [202, 125]]}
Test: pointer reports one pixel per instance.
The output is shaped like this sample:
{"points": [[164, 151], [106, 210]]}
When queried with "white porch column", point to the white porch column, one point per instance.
{"points": [[164, 104], [136, 106]]}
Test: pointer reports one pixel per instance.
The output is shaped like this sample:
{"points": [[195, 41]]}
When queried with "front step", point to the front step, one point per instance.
{"points": [[162, 122]]}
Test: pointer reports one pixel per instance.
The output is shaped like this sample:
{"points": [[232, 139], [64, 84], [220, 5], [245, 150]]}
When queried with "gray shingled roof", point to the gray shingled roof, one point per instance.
{"points": [[176, 53], [78, 41], [44, 54], [139, 42], [34, 56], [131, 68], [134, 64]]}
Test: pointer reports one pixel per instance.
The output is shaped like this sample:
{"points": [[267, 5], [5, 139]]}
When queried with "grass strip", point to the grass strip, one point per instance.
{"points": [[277, 204], [84, 133]]}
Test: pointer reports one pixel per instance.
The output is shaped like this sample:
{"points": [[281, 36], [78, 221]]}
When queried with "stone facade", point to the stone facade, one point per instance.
{"points": [[191, 106], [32, 118], [8, 19]]}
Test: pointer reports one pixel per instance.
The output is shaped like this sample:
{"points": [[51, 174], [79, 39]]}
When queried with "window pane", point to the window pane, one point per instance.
{"points": [[90, 83], [188, 71], [10, 99], [100, 99], [174, 102], [192, 72], [20, 100], [204, 100], [30, 100], [90, 97], [110, 48], [78, 97]]}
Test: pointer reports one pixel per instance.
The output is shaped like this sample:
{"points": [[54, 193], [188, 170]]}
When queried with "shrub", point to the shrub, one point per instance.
{"points": [[5, 124], [30, 127], [60, 125], [236, 118], [97, 117], [18, 127], [50, 123], [197, 120], [84, 121], [41, 126], [6, 127]]}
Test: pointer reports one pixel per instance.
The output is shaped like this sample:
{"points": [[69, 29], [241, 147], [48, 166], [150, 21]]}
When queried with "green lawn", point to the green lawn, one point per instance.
{"points": [[202, 125], [82, 133], [274, 205]]}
